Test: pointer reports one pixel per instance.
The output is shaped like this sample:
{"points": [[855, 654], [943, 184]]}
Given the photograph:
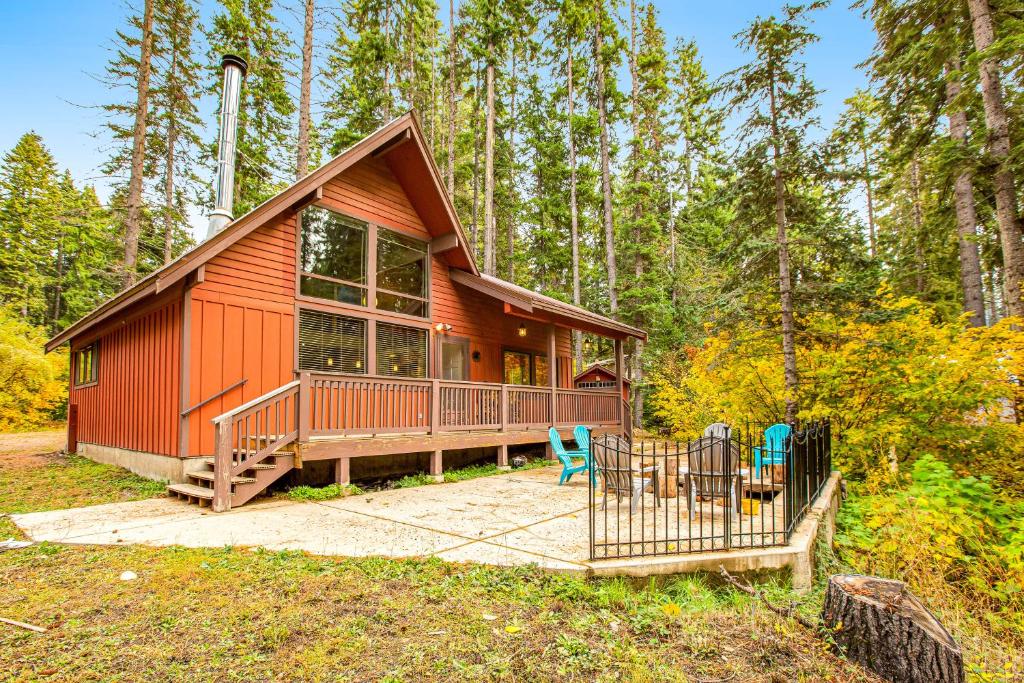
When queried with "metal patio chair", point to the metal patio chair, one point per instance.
{"points": [[613, 460], [713, 472]]}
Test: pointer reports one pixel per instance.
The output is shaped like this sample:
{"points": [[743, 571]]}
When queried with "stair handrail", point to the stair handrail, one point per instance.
{"points": [[256, 401], [223, 456]]}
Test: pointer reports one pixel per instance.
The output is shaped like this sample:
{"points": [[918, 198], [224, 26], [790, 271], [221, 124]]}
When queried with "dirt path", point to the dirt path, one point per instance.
{"points": [[30, 449]]}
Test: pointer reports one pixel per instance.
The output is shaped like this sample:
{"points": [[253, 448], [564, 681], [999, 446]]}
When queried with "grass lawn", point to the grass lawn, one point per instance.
{"points": [[237, 614]]}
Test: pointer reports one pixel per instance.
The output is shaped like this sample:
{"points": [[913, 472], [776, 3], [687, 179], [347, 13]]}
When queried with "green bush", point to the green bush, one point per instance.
{"points": [[958, 541], [328, 492]]}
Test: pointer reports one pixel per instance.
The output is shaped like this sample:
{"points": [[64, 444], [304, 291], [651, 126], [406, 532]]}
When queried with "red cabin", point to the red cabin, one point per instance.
{"points": [[342, 319]]}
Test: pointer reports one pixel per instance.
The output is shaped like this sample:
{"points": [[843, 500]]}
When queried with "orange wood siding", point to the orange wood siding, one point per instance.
{"points": [[135, 402], [483, 320], [241, 326], [370, 191]]}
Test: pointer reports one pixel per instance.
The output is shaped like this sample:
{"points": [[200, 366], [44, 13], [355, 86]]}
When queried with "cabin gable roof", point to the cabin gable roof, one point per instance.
{"points": [[400, 144]]}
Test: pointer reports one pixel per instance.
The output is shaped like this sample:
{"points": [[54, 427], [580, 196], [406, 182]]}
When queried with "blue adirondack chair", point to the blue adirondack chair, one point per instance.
{"points": [[582, 436], [774, 450], [565, 456]]}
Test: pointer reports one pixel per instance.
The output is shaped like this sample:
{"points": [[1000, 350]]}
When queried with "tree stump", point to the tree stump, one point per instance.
{"points": [[882, 626]]}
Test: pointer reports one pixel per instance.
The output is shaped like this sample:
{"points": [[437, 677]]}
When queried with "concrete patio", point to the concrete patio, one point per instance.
{"points": [[512, 519]]}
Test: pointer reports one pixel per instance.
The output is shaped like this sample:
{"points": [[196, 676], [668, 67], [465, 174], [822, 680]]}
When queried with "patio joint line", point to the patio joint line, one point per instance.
{"points": [[469, 539]]}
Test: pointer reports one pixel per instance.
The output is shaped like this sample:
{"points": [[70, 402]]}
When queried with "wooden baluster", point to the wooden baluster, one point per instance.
{"points": [[435, 406], [503, 407], [302, 401]]}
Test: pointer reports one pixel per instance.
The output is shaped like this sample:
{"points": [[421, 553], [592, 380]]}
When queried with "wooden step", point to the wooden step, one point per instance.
{"points": [[264, 465], [208, 475], [191, 490]]}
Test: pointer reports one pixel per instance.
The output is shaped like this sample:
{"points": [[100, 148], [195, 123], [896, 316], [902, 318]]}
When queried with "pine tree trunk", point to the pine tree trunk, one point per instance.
{"points": [[882, 626], [302, 154], [636, 364], [574, 228], [999, 149], [966, 219], [915, 190], [872, 242], [606, 174], [133, 222], [990, 291], [785, 283], [387, 64], [490, 227], [169, 167], [452, 52], [510, 235]]}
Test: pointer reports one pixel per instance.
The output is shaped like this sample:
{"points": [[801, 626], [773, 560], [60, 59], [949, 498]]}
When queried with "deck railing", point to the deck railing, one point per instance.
{"points": [[360, 404]]}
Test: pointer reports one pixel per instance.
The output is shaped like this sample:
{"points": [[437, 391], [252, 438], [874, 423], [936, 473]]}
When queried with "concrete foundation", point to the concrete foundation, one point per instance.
{"points": [[150, 465]]}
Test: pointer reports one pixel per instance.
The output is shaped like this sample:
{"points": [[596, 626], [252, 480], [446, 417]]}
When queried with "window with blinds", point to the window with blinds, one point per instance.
{"points": [[331, 343], [401, 351]]}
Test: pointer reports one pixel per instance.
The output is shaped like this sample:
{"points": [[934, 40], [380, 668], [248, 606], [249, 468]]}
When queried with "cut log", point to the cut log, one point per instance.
{"points": [[882, 626]]}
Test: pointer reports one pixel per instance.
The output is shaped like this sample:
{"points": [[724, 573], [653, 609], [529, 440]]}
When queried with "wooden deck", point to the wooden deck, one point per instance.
{"points": [[339, 417]]}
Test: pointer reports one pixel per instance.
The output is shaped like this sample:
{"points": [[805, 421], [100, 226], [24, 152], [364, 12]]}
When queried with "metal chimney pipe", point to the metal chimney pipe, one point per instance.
{"points": [[224, 187]]}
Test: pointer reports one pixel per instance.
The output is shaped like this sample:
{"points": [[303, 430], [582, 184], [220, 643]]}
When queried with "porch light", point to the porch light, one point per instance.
{"points": [[522, 330]]}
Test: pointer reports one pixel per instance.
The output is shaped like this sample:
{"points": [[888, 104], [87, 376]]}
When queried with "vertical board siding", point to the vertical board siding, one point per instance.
{"points": [[133, 404], [242, 326]]}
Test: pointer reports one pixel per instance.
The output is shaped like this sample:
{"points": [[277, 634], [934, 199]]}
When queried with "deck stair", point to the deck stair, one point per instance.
{"points": [[256, 444], [244, 487]]}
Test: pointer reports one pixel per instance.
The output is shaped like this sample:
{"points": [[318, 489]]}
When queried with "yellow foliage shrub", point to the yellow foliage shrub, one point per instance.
{"points": [[896, 384], [33, 386]]}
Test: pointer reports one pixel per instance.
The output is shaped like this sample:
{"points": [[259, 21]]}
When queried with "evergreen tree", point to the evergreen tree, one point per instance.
{"points": [[264, 163], [132, 158], [646, 210], [779, 101], [176, 126], [30, 204]]}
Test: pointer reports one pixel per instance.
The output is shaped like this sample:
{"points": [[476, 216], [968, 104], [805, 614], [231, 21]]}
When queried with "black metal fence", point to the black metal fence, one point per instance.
{"points": [[736, 487]]}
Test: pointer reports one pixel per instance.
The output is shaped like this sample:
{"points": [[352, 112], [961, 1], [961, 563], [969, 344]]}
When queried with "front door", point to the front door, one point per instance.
{"points": [[454, 358]]}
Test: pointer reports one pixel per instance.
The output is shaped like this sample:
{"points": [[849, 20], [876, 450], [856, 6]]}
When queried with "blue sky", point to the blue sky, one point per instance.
{"points": [[52, 52]]}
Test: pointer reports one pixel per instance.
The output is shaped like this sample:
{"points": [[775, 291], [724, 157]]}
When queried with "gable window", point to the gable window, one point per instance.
{"points": [[401, 274], [331, 343], [86, 368], [335, 264], [401, 351], [333, 257]]}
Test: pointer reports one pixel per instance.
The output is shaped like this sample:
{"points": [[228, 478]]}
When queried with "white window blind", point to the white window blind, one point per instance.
{"points": [[401, 351], [331, 343]]}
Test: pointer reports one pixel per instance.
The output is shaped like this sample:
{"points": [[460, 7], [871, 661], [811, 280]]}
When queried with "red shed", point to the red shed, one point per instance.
{"points": [[599, 376]]}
